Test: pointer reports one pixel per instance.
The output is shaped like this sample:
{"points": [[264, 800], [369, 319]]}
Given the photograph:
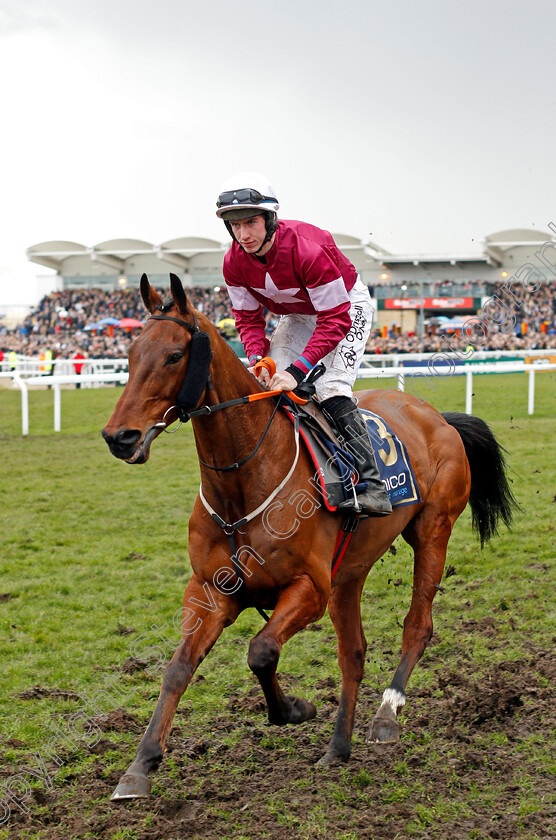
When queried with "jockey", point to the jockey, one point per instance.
{"points": [[295, 270]]}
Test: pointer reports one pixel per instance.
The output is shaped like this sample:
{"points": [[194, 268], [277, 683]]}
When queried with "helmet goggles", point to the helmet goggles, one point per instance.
{"points": [[244, 196]]}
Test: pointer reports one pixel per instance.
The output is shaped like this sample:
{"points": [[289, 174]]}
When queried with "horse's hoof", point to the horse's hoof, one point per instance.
{"points": [[132, 787], [300, 710], [297, 711], [330, 758], [384, 730]]}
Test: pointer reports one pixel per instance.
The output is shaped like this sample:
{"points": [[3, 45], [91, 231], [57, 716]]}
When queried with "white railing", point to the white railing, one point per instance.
{"points": [[32, 366], [56, 382], [401, 373], [396, 359]]}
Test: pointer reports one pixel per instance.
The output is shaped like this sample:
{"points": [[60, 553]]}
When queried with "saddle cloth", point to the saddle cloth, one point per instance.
{"points": [[334, 466]]}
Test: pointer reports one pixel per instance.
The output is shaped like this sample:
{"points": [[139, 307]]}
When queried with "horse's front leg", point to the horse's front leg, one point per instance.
{"points": [[205, 614], [298, 605]]}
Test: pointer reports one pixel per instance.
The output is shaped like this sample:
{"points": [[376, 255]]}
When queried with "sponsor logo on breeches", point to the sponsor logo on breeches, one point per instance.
{"points": [[356, 333]]}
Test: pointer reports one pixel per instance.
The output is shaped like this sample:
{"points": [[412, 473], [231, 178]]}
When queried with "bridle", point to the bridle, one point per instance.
{"points": [[195, 381], [197, 374]]}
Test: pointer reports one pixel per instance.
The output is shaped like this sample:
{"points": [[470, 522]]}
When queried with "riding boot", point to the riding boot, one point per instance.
{"points": [[374, 500]]}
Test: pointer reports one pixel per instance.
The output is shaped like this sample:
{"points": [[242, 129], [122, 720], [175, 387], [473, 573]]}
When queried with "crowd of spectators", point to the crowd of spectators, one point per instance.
{"points": [[519, 318], [61, 323]]}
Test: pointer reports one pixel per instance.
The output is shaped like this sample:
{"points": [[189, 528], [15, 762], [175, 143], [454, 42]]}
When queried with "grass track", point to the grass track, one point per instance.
{"points": [[92, 549]]}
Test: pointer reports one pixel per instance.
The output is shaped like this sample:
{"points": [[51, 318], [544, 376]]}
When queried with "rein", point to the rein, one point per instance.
{"points": [[201, 355], [237, 464]]}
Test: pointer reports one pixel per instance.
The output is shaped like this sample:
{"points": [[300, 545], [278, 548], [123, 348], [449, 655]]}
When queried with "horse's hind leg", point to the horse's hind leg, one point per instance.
{"points": [[428, 536], [345, 611], [201, 627], [297, 606]]}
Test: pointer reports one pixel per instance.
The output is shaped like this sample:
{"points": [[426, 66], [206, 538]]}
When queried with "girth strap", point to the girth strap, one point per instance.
{"points": [[349, 526]]}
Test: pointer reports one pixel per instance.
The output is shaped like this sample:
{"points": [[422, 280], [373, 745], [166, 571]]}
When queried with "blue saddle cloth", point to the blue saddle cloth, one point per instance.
{"points": [[392, 461]]}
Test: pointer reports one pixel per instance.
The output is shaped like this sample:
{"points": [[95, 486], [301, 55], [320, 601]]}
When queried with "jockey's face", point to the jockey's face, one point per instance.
{"points": [[250, 233]]}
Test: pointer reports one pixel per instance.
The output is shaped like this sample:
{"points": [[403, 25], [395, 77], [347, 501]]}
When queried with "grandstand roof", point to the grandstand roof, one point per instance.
{"points": [[199, 259], [51, 254], [517, 245], [114, 253], [517, 237], [436, 259]]}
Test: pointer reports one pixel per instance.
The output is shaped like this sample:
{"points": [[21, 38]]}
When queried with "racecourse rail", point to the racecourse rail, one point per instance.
{"points": [[114, 371]]}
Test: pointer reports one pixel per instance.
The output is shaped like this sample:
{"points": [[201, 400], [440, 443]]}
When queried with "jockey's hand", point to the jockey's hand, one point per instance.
{"points": [[283, 381], [263, 375]]}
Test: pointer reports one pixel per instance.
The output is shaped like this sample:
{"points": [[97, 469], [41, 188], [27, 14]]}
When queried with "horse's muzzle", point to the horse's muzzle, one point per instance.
{"points": [[123, 444]]}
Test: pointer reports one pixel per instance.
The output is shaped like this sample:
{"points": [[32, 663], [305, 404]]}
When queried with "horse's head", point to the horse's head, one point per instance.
{"points": [[168, 373]]}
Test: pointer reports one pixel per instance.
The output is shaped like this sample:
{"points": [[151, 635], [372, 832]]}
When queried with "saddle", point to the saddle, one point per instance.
{"points": [[335, 471], [335, 467]]}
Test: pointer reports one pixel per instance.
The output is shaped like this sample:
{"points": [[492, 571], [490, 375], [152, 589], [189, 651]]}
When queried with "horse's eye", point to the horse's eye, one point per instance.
{"points": [[174, 358]]}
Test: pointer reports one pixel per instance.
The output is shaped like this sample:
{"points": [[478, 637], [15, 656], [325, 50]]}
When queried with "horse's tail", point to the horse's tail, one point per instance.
{"points": [[491, 497]]}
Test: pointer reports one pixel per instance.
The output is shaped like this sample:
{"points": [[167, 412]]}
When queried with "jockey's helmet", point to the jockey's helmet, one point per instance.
{"points": [[245, 195], [245, 191]]}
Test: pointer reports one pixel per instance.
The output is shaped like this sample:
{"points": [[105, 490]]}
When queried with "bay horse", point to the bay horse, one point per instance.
{"points": [[246, 453]]}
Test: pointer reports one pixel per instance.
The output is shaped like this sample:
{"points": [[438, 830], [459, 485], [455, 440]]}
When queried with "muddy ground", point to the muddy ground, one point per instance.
{"points": [[461, 770]]}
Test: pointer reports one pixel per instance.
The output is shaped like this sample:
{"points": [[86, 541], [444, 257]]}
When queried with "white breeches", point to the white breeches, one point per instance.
{"points": [[293, 332]]}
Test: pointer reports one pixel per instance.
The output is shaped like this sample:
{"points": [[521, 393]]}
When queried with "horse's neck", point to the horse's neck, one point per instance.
{"points": [[229, 435], [229, 380]]}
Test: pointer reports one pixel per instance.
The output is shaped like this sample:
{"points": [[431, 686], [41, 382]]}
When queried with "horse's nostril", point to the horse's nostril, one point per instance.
{"points": [[108, 438], [124, 438], [127, 437]]}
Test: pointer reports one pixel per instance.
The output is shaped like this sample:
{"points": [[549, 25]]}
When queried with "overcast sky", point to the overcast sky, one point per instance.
{"points": [[424, 125]]}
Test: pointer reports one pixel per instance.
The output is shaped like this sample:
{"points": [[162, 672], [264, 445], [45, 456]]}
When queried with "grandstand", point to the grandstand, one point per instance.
{"points": [[415, 296]]}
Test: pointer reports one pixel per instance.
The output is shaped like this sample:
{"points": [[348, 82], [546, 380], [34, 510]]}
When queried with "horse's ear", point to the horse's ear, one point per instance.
{"points": [[150, 296], [178, 293]]}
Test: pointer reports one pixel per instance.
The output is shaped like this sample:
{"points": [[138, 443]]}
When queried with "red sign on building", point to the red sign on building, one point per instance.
{"points": [[429, 303]]}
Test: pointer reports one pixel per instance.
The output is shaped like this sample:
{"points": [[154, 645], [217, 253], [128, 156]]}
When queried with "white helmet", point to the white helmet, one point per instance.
{"points": [[246, 191]]}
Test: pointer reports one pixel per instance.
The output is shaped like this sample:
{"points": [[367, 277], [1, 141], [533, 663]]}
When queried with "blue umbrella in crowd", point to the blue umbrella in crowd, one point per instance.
{"points": [[109, 322]]}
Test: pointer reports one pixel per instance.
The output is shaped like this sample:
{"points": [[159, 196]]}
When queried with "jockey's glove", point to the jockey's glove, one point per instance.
{"points": [[296, 372]]}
